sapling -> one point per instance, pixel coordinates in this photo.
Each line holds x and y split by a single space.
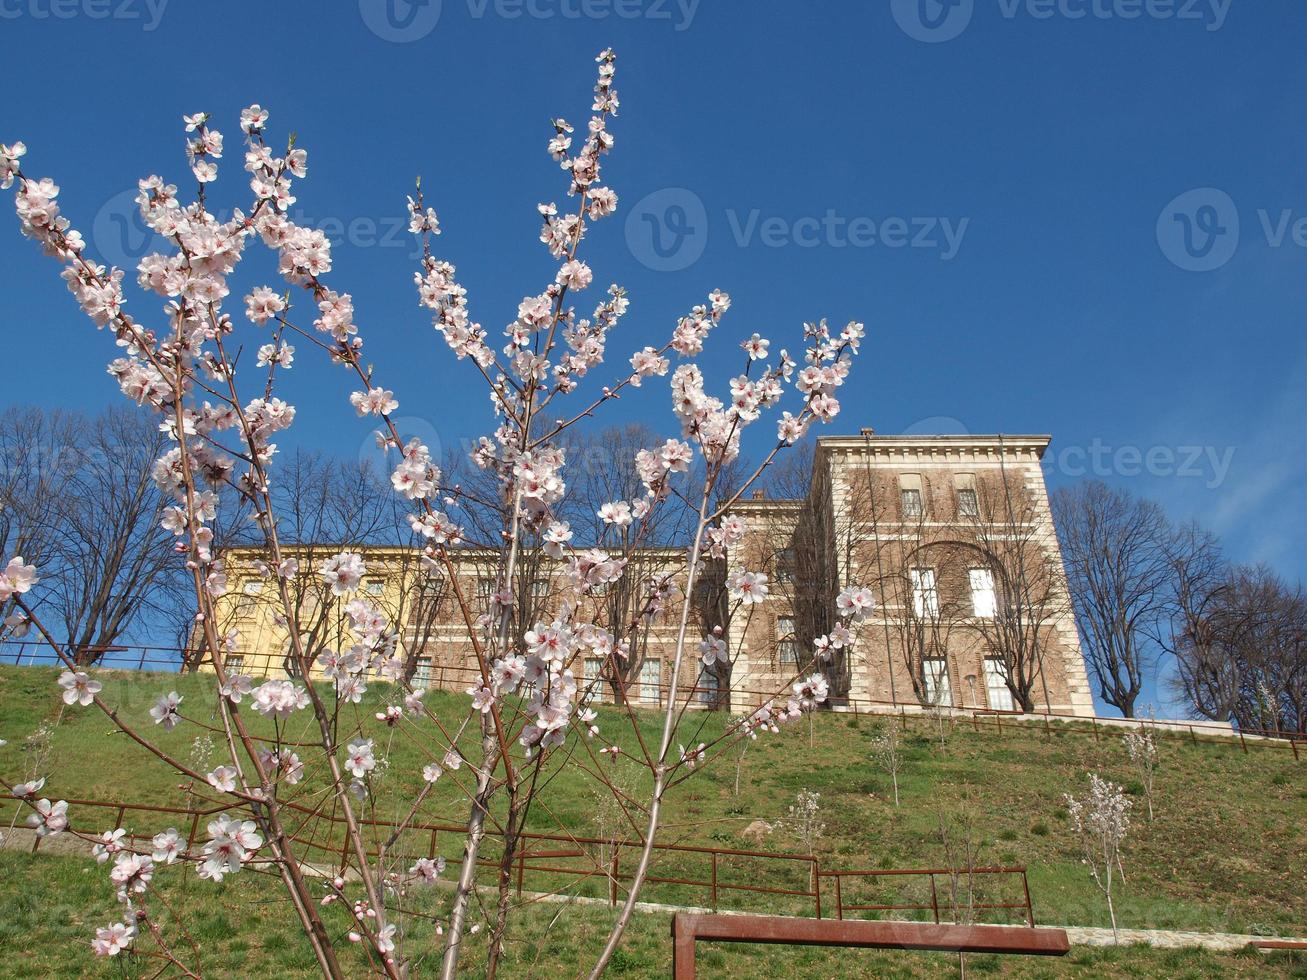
888 750
803 820
1102 820
1142 750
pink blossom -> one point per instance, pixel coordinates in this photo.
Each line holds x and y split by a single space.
756 347
223 779
49 818
428 869
279 698
16 579
747 587
167 846
113 939
375 401
165 711
359 759
78 687
343 572
713 650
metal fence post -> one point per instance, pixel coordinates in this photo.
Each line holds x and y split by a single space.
714 881
816 885
612 877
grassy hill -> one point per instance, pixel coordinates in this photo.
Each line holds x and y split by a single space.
1225 852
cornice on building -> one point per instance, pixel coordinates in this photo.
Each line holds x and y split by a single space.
963 448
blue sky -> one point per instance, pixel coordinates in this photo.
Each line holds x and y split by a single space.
1065 216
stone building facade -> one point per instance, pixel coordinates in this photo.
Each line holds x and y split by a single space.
953 534
955 537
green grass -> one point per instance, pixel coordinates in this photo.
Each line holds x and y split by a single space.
1224 854
242 928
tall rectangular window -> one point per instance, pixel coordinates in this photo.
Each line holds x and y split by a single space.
422 676
375 587
785 565
651 676
911 502
925 596
939 691
245 602
983 601
485 592
996 689
968 504
707 687
594 684
787 644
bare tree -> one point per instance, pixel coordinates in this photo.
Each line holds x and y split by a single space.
33 465
111 562
1118 562
1243 659
1199 580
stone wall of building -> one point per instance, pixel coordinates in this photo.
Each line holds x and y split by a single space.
947 531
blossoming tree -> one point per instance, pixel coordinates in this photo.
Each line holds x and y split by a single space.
1102 819
526 713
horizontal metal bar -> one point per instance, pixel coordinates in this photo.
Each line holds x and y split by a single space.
877 935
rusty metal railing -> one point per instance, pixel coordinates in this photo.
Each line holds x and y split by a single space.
933 906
